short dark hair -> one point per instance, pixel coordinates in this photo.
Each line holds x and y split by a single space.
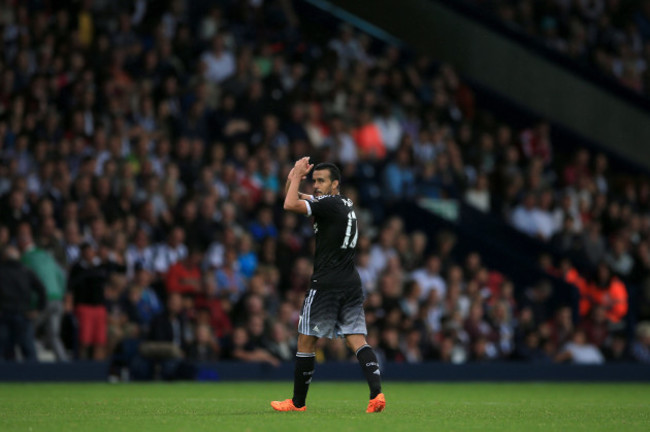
335 173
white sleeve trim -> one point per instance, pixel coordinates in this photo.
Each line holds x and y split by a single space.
308 208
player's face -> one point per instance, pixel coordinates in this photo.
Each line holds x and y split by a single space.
323 185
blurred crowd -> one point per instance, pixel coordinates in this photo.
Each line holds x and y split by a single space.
608 35
144 154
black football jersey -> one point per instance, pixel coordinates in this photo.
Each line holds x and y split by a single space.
335 229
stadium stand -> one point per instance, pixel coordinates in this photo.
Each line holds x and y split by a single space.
146 150
606 36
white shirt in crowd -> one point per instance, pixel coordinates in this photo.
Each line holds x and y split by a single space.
584 354
429 281
391 132
217 69
142 257
166 256
379 258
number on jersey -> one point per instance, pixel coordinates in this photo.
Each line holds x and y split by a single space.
351 232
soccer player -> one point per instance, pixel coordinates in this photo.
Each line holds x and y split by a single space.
333 307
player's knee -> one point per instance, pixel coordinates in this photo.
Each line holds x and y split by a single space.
307 343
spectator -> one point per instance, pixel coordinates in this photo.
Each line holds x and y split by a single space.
167 254
399 180
368 138
140 302
230 280
607 291
169 337
53 279
218 63
86 283
205 348
579 351
524 216
242 349
479 195
17 312
428 278
184 277
641 346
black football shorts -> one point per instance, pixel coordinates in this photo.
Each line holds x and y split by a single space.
332 313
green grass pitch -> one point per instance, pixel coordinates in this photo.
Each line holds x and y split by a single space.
331 406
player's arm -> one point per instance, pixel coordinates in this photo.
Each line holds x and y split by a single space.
292 201
302 196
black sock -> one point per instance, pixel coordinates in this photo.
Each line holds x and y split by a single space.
302 374
368 362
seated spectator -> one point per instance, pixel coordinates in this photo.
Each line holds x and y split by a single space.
263 226
218 63
529 350
399 180
184 277
140 302
579 351
428 278
280 343
169 339
205 347
247 257
389 345
619 258
167 254
479 195
524 216
641 346
139 253
231 283
242 349
368 138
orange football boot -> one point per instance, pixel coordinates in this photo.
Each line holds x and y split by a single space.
377 404
286 405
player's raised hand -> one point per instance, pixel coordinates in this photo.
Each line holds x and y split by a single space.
302 168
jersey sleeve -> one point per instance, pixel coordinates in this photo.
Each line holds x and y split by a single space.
324 207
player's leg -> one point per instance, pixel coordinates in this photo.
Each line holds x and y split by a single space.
317 320
302 374
352 323
368 362
304 368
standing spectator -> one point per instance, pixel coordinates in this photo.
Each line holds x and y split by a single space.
607 291
86 283
53 279
17 287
